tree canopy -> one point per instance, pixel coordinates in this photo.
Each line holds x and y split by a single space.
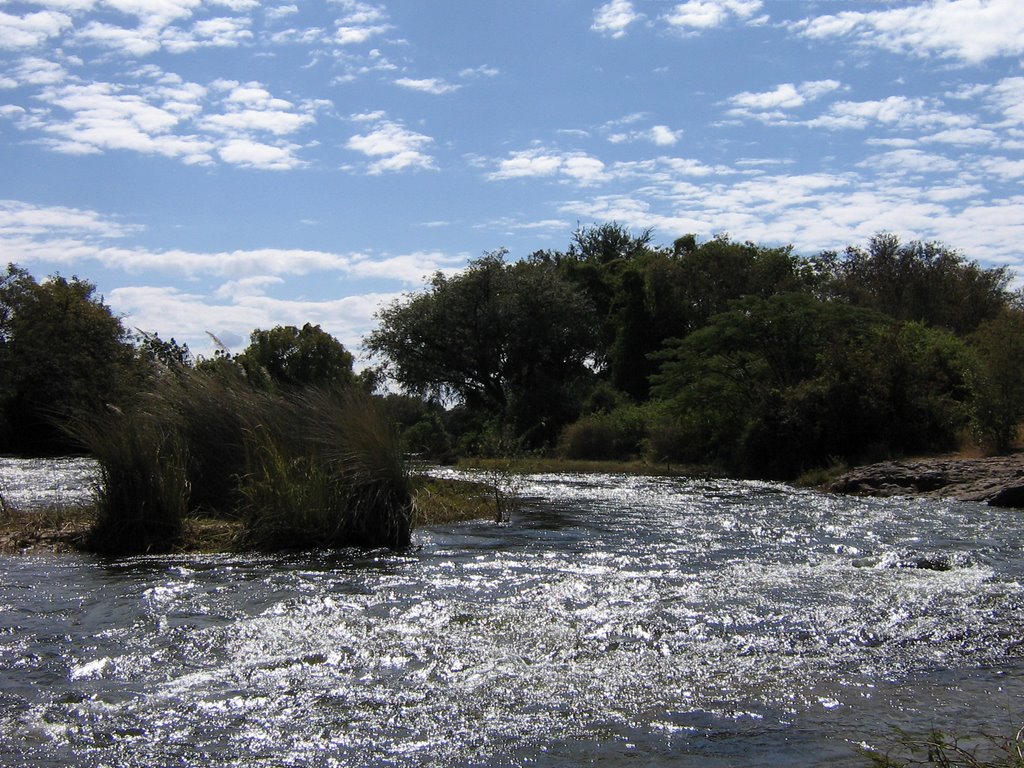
61 350
509 340
287 357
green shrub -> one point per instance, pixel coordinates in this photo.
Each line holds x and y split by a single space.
619 434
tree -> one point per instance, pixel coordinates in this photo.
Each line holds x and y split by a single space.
924 282
778 385
285 357
62 350
998 380
509 340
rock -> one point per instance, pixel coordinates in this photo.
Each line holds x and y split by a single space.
997 480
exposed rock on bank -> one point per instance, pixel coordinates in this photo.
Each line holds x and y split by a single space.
997 480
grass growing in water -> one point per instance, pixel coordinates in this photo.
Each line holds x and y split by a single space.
344 484
142 493
313 469
948 751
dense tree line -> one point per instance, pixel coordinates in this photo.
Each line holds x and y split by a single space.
755 359
751 358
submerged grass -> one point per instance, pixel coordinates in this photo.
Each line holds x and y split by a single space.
948 751
57 528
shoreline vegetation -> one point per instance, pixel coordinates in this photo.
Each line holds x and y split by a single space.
62 529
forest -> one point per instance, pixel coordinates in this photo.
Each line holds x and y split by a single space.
750 360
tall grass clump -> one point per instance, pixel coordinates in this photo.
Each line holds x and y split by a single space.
310 469
336 478
142 495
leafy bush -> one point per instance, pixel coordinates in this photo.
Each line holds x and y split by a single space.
616 435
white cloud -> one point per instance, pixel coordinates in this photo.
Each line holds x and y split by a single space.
33 70
1008 96
540 162
660 135
613 18
483 70
251 107
396 147
965 137
19 219
32 29
708 14
970 30
769 106
255 154
105 116
913 161
432 85
280 12
224 32
359 22
139 42
899 112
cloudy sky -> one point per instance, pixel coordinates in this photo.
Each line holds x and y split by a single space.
220 165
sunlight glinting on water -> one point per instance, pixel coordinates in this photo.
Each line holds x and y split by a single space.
613 617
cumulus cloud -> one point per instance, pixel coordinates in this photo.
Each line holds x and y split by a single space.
697 15
900 112
250 107
32 29
614 18
540 162
660 135
970 30
432 85
771 105
359 22
161 114
256 154
392 146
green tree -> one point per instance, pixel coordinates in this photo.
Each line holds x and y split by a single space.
509 340
285 357
998 379
781 384
924 282
62 350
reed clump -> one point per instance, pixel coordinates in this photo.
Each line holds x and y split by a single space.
313 468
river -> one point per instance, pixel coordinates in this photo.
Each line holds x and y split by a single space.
614 621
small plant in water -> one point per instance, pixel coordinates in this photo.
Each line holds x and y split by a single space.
948 751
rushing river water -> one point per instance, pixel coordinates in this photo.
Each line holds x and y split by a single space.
615 621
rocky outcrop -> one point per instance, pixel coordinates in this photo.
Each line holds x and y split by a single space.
997 480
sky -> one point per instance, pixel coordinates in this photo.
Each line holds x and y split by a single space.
216 166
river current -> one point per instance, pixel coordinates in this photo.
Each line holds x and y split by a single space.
614 621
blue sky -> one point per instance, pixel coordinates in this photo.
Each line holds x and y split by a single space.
223 165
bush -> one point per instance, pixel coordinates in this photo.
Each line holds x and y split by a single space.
601 436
